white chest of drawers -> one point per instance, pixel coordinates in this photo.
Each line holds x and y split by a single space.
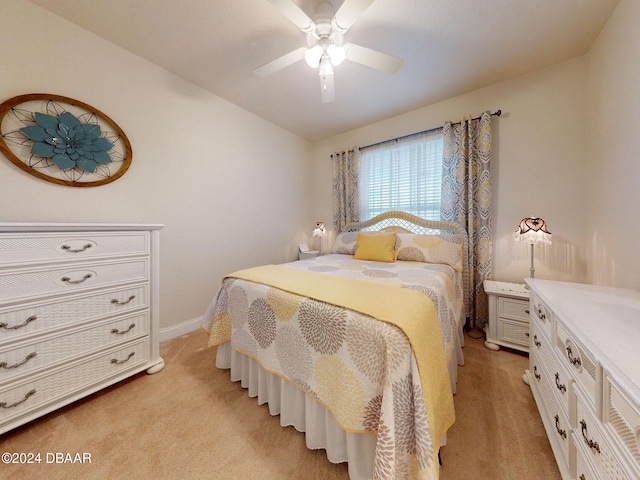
584 372
78 312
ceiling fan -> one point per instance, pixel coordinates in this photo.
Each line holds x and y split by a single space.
325 39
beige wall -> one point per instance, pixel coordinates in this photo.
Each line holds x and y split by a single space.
612 202
202 166
538 164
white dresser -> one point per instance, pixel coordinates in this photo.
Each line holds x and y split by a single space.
584 372
78 312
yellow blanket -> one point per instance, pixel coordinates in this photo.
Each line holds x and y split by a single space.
411 311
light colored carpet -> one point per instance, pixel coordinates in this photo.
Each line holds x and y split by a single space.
190 422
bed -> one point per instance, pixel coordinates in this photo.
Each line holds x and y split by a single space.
358 348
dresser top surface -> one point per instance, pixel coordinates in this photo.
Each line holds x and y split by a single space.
605 319
75 227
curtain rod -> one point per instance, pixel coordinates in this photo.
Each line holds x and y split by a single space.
496 113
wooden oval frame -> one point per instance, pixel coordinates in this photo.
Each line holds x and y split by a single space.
6 106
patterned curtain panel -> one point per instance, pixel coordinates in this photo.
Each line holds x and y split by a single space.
466 198
346 196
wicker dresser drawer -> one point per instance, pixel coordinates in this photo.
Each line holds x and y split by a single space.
558 427
594 445
40 390
558 378
25 248
622 414
31 318
541 312
27 284
63 346
578 361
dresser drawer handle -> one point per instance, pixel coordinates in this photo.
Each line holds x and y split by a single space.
26 397
582 477
541 314
574 361
537 342
15 327
118 332
119 362
77 250
16 365
560 386
590 443
535 372
120 302
526 310
75 282
562 433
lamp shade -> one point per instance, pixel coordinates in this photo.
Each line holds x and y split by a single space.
533 230
320 230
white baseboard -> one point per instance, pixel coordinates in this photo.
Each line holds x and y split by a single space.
181 329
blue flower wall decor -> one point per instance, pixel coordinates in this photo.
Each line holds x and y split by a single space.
68 142
62 140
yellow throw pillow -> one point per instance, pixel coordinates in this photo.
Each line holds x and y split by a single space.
379 247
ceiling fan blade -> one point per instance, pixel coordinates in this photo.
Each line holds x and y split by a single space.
328 92
348 13
294 13
372 58
280 63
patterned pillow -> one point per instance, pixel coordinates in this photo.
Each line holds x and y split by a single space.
446 249
345 243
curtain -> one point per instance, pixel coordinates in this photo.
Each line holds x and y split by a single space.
346 195
466 198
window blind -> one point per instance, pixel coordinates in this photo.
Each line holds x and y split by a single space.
403 174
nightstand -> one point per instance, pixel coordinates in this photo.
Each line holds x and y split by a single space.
308 254
508 316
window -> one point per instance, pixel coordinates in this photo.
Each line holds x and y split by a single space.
403 174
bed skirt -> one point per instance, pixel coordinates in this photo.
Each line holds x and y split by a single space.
306 415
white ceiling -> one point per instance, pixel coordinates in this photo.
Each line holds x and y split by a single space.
449 47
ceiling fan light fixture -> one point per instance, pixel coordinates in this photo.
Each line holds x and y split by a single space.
325 66
313 55
336 54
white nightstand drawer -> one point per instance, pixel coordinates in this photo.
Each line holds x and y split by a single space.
514 332
24 248
513 309
32 318
21 285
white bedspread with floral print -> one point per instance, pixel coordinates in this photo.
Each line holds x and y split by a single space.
361 369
